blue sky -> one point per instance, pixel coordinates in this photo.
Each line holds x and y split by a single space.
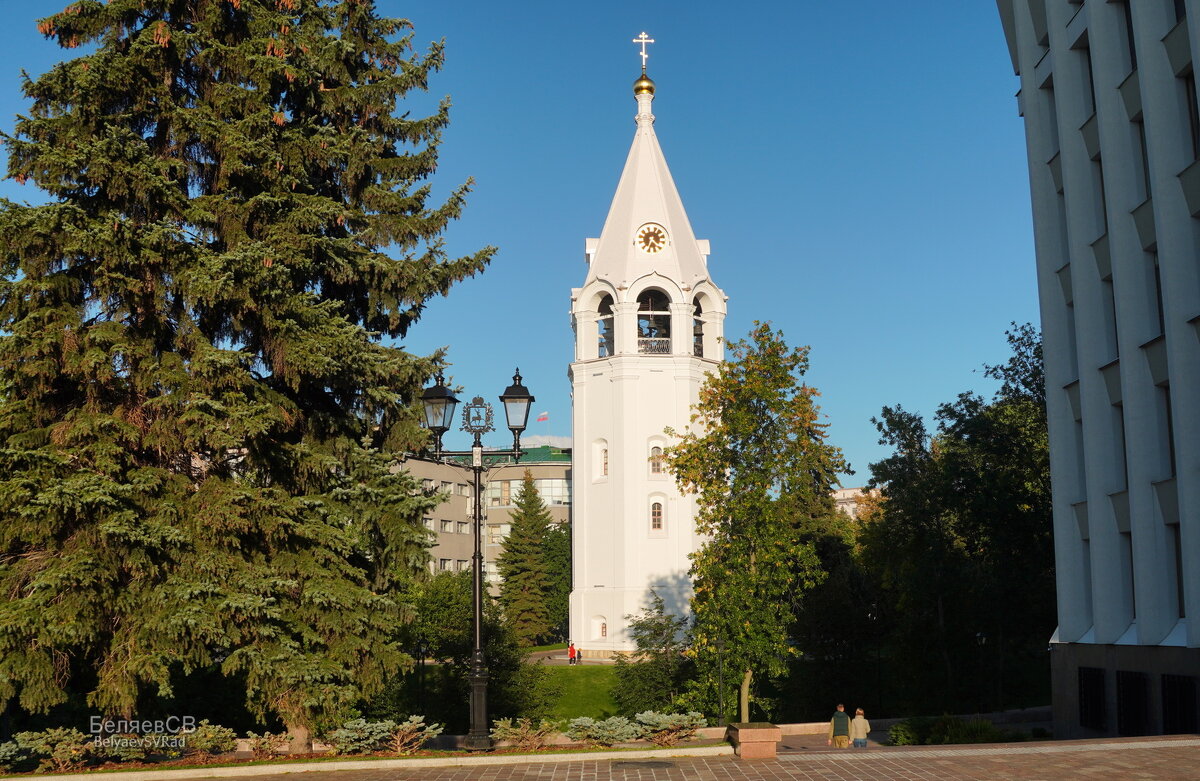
858 167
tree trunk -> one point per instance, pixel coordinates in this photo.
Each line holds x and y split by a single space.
301 742
744 696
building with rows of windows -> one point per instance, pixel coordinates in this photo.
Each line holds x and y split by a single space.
648 328
452 522
1108 94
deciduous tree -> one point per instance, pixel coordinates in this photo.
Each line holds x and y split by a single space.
655 676
757 459
962 543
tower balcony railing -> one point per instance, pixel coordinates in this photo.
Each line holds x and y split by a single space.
654 346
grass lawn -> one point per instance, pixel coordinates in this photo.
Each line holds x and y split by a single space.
585 691
551 647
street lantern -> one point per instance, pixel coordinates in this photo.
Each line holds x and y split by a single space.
516 400
439 405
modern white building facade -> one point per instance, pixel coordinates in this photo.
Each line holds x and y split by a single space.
648 328
1108 93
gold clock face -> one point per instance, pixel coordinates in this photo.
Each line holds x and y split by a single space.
651 238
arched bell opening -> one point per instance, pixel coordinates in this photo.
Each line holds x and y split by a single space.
605 336
654 323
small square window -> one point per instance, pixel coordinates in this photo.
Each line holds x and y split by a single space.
448 527
444 565
464 527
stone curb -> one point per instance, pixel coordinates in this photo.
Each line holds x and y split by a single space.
988 750
386 764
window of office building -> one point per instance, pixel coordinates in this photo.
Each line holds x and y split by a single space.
1092 713
1133 703
447 527
444 565
552 490
464 527
1179 704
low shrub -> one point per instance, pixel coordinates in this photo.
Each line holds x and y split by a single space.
59 748
911 732
610 731
943 730
952 730
523 734
266 745
210 740
359 736
410 735
126 747
11 756
170 745
667 729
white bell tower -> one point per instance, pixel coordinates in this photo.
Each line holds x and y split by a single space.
648 328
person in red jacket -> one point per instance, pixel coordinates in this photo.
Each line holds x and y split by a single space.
571 654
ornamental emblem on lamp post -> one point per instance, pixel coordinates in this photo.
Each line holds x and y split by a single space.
477 417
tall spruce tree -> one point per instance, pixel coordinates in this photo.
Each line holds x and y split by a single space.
557 555
757 459
526 588
197 384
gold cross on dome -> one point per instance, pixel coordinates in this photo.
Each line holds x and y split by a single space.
643 39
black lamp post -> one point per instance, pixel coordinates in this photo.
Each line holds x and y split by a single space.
439 405
719 642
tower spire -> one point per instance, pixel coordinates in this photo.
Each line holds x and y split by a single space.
643 88
643 39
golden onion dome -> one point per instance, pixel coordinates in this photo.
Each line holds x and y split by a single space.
643 86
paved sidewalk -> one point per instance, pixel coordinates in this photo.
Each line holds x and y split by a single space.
1134 758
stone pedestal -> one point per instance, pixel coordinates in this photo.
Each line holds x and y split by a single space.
754 739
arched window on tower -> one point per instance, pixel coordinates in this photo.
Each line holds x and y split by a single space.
656 460
604 328
697 331
654 323
656 517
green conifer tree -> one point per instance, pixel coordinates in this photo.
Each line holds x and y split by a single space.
525 590
195 351
557 551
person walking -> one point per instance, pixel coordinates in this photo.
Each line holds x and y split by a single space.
571 655
839 728
859 729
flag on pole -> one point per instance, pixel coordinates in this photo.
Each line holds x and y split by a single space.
543 416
